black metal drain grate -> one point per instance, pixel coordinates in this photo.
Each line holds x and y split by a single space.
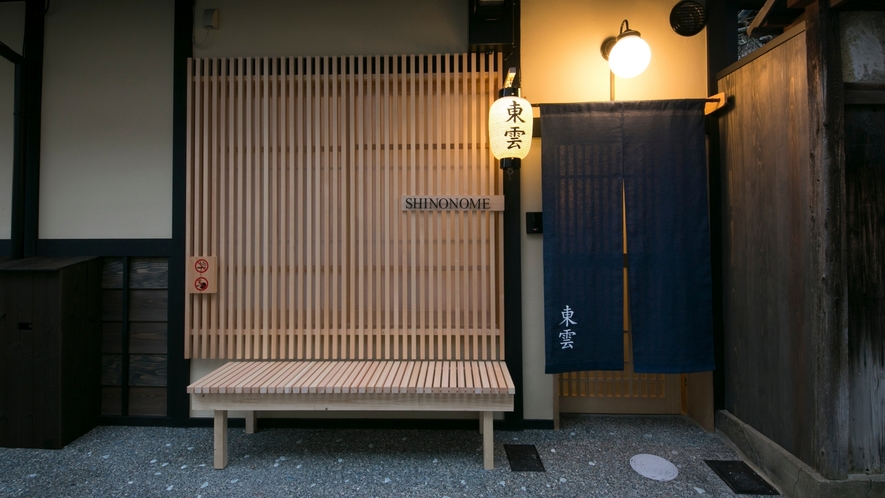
524 458
741 478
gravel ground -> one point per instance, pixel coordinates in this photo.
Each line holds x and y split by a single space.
589 456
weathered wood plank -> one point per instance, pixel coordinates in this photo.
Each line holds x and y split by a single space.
865 191
112 337
828 317
112 273
147 337
111 400
149 273
111 370
147 401
147 370
112 306
148 305
766 234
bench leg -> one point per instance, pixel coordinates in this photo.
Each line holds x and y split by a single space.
488 441
220 439
250 422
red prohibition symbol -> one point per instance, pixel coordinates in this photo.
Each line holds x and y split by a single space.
201 265
201 284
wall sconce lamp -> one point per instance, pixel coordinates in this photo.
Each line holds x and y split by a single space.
627 54
510 125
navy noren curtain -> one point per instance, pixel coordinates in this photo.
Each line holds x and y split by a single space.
655 151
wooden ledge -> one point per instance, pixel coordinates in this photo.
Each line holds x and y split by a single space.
358 377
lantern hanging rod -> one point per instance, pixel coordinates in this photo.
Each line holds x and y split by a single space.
511 76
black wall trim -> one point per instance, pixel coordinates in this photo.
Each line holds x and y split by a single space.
105 247
512 242
722 51
538 425
178 373
5 248
33 105
138 421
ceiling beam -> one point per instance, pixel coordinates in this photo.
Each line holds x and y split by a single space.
773 17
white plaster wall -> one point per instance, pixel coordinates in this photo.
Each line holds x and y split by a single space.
332 27
561 62
863 46
12 28
106 153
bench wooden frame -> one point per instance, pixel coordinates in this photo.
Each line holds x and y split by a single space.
329 296
461 386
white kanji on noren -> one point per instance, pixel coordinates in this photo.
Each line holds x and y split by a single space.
567 335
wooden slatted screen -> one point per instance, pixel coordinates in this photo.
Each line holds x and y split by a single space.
295 171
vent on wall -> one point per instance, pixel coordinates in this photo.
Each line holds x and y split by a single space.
688 18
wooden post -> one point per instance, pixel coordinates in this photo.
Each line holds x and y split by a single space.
220 439
488 441
250 422
827 286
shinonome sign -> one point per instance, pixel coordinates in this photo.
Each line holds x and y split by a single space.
453 203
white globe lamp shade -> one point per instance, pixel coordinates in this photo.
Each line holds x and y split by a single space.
629 57
510 129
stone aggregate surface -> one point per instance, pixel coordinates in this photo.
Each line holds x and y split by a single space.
588 457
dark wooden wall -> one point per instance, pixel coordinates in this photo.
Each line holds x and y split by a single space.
767 249
804 252
134 336
865 223
49 347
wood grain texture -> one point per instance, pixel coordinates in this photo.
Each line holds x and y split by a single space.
294 179
49 362
112 305
767 237
865 210
111 400
147 401
148 305
828 323
147 337
112 338
149 273
111 370
355 377
147 370
112 273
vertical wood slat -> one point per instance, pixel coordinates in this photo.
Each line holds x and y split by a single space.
295 167
189 205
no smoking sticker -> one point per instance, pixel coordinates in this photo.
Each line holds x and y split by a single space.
201 275
201 284
202 266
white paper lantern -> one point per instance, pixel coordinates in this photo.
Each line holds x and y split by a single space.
510 129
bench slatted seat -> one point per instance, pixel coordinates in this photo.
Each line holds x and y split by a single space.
473 386
323 291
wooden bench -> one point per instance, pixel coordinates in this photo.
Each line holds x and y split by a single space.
329 293
462 386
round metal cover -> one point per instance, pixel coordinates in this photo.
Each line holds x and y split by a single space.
688 18
654 467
